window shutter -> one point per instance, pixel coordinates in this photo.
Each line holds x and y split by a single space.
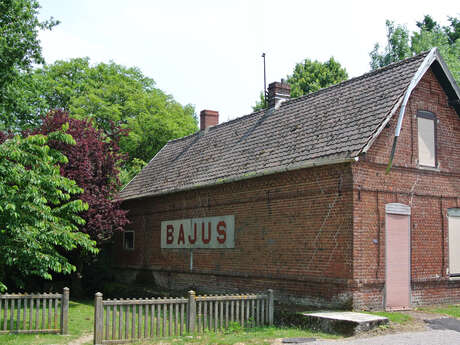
454 241
426 143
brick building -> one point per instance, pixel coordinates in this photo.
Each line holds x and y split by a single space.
296 197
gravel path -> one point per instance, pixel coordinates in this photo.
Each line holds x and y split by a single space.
432 337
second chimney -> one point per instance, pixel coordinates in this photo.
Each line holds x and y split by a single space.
278 93
208 118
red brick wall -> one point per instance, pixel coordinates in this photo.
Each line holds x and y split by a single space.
429 193
318 234
293 233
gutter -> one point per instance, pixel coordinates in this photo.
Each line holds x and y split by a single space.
432 55
265 172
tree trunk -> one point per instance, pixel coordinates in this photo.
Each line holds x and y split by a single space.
76 277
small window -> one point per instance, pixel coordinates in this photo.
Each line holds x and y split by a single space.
426 125
453 216
128 240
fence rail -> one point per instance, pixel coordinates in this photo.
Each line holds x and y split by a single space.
34 313
118 321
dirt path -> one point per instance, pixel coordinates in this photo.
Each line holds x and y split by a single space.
85 338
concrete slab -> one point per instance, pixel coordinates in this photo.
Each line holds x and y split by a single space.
345 322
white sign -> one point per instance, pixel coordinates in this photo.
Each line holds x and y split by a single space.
210 232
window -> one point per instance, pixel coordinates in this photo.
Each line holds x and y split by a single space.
128 240
453 216
426 125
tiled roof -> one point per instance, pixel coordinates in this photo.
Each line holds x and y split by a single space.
336 122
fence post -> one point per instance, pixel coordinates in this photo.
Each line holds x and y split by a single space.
65 311
98 318
271 307
191 317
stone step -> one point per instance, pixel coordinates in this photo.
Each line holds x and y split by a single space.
344 322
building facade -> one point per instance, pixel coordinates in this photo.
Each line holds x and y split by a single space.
297 198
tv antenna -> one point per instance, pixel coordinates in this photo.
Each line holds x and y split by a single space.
265 82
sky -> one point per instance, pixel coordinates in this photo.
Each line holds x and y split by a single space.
208 53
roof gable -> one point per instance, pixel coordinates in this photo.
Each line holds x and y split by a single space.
331 125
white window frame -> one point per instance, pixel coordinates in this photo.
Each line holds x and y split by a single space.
124 239
453 213
427 115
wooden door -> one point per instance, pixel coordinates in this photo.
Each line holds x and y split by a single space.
397 257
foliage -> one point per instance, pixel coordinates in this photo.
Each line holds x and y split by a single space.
397 48
402 44
260 104
93 164
19 43
130 170
38 207
109 94
310 76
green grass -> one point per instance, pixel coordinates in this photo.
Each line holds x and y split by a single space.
393 316
80 322
253 336
451 310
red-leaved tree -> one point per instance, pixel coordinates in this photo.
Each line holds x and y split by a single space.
93 165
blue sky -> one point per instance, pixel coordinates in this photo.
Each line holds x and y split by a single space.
208 53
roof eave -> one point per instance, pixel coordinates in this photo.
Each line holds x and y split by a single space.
447 81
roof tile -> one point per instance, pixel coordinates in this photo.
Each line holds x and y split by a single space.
334 122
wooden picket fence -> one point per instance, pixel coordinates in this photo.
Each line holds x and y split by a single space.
34 313
118 321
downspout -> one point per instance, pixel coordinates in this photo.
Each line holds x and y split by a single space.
432 55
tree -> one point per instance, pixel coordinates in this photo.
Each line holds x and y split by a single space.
402 44
39 208
453 30
19 44
397 48
310 76
108 94
93 163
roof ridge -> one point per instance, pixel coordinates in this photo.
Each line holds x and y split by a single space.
360 77
270 142
312 94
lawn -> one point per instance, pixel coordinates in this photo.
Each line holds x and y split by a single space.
392 316
451 310
80 322
255 336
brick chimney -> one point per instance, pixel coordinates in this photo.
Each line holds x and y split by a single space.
278 93
208 118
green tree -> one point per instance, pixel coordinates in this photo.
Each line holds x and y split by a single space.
453 30
38 216
402 44
397 48
310 76
19 44
109 94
